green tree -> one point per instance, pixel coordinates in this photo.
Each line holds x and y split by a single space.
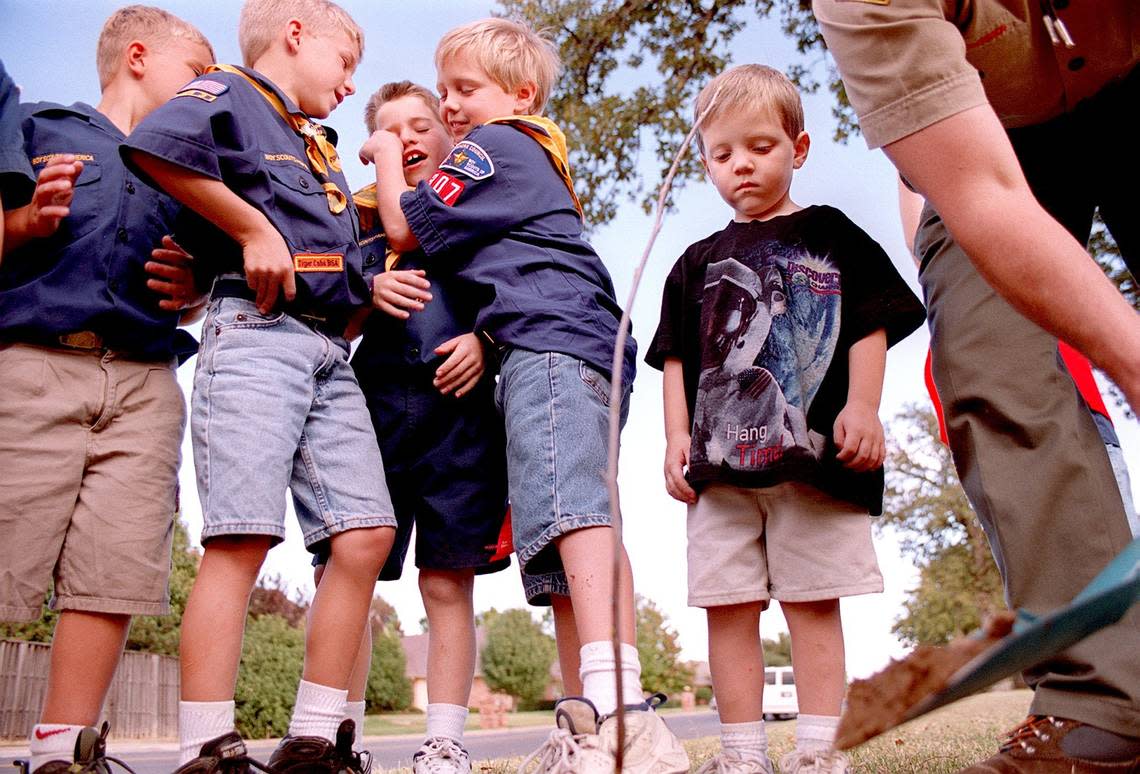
777 652
925 504
677 46
272 655
517 655
389 689
657 646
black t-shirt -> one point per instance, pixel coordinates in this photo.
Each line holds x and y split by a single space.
761 315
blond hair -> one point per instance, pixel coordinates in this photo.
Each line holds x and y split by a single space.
262 21
753 87
509 51
398 90
146 24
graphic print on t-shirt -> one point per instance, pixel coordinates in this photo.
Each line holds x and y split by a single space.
769 327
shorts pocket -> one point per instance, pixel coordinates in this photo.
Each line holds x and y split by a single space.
598 384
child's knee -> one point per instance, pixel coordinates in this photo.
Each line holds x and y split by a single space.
362 550
446 589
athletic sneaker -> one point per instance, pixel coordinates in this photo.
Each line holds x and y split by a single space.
225 754
815 762
317 755
574 746
650 747
90 755
732 762
441 755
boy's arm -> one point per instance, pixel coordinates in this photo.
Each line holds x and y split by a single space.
268 262
51 202
858 431
172 279
463 368
399 292
385 150
677 433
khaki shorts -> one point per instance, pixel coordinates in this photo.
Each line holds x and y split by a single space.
790 542
89 449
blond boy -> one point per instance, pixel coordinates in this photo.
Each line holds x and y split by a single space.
91 453
503 202
275 404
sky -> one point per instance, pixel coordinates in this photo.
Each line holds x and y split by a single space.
48 46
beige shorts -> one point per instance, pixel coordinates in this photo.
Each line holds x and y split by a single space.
89 451
790 542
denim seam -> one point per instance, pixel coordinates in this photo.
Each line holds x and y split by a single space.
561 526
358 522
552 444
312 474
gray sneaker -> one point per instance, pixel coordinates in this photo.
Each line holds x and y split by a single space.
650 747
815 762
574 747
731 762
441 755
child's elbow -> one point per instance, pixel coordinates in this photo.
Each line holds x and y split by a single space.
402 240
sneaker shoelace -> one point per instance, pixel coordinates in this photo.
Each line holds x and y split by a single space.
1035 728
811 761
439 752
556 755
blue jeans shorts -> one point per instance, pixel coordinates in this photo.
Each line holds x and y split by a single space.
276 406
556 411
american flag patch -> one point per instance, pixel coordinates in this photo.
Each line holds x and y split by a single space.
210 87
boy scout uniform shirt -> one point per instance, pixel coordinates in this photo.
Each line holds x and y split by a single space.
220 126
907 64
16 180
538 284
88 276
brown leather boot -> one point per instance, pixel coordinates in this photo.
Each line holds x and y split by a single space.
1034 747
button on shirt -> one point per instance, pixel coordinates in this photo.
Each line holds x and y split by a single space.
220 126
16 180
500 213
89 275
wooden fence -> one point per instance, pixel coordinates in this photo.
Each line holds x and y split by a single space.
142 702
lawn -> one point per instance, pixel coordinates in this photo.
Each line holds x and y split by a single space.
942 742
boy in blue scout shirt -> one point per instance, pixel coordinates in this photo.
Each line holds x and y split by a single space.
16 179
90 410
275 403
501 210
421 370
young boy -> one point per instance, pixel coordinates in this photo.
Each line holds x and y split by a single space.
773 340
502 213
421 370
90 410
275 404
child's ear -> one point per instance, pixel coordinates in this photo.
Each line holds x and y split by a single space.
524 98
801 146
135 58
294 32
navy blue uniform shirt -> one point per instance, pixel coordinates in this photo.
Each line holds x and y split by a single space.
220 126
88 275
16 180
539 285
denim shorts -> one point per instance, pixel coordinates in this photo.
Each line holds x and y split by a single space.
556 411
276 406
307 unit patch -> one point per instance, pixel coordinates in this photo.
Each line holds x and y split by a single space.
467 158
310 262
446 187
204 89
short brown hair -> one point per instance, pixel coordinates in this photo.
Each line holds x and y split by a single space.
510 51
752 87
144 23
261 22
398 90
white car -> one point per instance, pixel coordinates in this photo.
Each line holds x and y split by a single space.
780 693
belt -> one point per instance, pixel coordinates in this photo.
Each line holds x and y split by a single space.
321 321
89 341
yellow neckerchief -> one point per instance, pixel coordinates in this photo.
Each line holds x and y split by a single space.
320 152
547 134
369 210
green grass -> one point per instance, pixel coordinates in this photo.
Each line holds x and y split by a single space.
416 722
942 742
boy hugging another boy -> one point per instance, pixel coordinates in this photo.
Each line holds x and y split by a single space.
773 339
275 402
502 212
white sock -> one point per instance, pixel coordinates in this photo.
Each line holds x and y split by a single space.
446 720
52 742
599 683
354 711
318 711
815 732
199 722
748 741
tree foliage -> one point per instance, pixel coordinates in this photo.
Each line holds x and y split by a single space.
677 46
389 689
657 646
958 581
517 655
272 655
777 652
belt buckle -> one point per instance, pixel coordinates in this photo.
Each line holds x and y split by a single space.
86 340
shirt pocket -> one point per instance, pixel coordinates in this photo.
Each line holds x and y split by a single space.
301 210
89 206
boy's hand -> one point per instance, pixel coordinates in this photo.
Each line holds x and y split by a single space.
269 268
859 436
51 201
381 145
396 291
463 367
171 276
676 460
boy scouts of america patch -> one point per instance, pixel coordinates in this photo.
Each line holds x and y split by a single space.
469 159
322 262
203 89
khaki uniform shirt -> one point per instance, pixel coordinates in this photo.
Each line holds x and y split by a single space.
907 64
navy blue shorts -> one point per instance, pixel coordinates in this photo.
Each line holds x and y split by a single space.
445 464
